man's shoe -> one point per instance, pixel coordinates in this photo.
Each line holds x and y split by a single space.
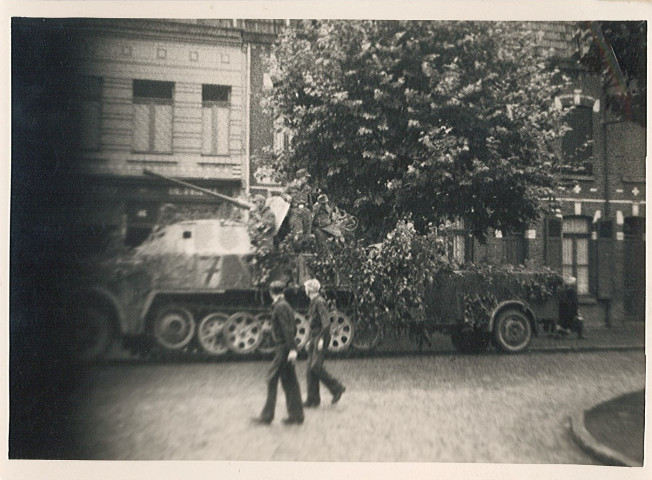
337 395
261 421
581 337
311 404
293 421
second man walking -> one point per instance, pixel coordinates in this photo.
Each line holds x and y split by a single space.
319 340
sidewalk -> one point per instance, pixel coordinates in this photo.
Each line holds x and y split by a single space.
619 336
613 431
622 335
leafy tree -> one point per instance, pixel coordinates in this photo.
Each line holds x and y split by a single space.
618 50
422 120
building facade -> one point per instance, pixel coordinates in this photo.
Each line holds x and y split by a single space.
180 98
598 235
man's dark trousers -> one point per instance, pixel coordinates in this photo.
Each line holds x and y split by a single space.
284 370
317 373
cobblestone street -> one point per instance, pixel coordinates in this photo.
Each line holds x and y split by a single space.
443 203
440 408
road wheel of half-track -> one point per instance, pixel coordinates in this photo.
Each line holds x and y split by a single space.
243 333
173 327
512 331
341 332
303 331
211 334
266 345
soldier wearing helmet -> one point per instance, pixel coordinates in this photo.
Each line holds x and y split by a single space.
300 216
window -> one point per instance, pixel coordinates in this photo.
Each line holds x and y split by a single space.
216 108
281 140
90 119
575 251
457 248
577 144
152 116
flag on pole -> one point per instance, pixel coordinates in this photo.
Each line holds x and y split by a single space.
611 62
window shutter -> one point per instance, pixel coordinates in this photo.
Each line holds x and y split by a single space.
605 259
207 131
223 119
162 128
141 127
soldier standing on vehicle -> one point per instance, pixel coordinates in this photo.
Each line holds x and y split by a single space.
300 216
285 354
319 340
323 218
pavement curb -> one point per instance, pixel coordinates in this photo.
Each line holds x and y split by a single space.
123 357
588 348
589 444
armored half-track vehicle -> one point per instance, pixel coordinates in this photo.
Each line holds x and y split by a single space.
188 289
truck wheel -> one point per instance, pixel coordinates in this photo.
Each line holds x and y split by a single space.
243 333
173 327
92 331
512 331
266 345
211 333
367 336
341 332
470 342
303 331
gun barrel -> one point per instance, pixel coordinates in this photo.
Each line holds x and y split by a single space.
234 201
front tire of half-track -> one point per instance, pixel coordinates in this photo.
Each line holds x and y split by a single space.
92 331
173 327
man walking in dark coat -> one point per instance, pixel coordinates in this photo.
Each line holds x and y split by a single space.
285 354
569 317
319 341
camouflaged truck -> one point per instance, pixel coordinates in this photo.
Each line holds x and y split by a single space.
505 307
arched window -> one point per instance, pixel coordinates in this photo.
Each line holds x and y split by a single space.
577 143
